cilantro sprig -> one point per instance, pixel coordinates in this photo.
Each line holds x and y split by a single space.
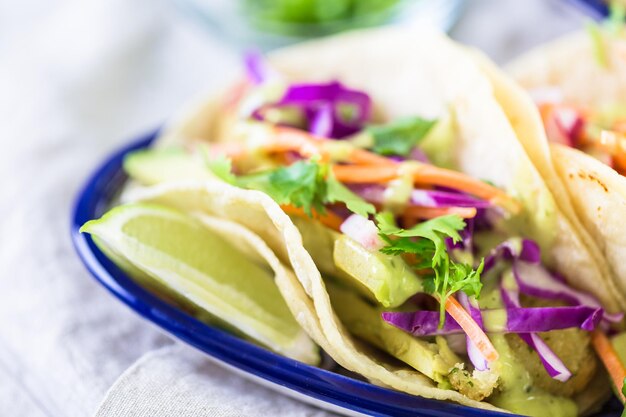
307 184
400 136
447 276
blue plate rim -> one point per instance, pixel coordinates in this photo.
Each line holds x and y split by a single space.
316 383
596 9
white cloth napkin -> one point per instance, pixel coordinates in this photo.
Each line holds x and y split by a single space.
179 381
77 79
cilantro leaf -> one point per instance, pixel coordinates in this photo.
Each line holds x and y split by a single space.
423 247
300 184
306 184
337 192
447 277
436 230
399 136
222 168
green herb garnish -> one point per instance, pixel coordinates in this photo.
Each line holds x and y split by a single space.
222 167
307 184
447 276
400 136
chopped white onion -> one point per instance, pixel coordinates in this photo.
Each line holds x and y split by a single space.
362 230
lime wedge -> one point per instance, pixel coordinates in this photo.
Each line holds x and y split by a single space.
194 262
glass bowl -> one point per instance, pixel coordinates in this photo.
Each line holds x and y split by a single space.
252 23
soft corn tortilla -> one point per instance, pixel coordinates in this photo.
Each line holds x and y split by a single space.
597 192
525 119
407 73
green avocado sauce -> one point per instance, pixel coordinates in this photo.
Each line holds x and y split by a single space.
538 218
517 392
364 321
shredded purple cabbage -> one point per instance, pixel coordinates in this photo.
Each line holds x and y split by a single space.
323 104
418 155
435 198
551 362
513 249
534 280
321 120
332 110
518 320
257 69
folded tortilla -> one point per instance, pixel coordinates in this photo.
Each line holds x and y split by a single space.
598 193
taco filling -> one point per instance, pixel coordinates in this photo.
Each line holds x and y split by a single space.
424 263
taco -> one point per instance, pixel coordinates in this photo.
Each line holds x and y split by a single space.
584 112
429 253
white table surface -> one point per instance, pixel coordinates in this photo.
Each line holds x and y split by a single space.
77 79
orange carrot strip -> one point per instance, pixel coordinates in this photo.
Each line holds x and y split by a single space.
620 126
430 174
329 219
613 142
362 174
426 174
363 157
609 358
288 139
471 329
285 139
432 212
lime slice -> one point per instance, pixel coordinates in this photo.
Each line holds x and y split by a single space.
194 262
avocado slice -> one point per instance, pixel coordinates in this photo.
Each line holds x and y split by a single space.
154 166
365 322
388 278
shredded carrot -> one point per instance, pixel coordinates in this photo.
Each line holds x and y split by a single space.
430 174
370 167
620 126
613 142
420 212
471 329
363 157
546 110
426 174
609 358
329 219
290 139
363 174
618 163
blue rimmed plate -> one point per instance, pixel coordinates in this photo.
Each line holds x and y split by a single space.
313 385
597 9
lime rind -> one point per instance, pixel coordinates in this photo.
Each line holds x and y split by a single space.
251 303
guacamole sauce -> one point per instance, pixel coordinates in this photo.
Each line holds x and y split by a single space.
517 391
